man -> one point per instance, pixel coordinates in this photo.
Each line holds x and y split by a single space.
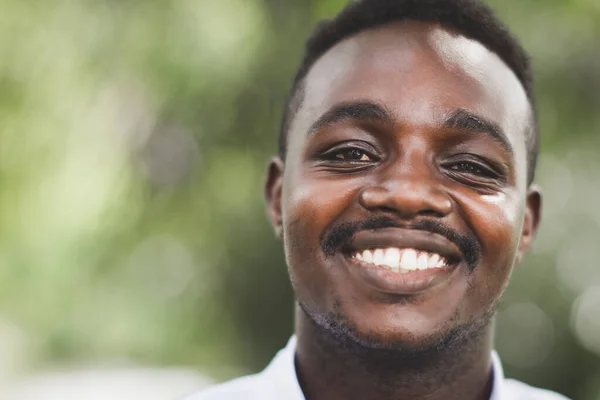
403 194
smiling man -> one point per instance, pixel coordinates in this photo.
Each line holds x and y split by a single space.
403 194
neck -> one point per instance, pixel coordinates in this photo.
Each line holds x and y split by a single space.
328 369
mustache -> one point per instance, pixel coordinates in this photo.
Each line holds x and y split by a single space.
337 237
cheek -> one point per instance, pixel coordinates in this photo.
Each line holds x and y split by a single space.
496 221
310 207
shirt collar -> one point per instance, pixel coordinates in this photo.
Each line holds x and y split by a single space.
283 368
498 379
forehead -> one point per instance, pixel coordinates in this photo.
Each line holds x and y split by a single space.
421 72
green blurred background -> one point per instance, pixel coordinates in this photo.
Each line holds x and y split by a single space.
133 140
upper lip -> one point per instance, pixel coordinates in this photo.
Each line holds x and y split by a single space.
404 238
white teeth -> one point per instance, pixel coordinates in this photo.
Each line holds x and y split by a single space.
433 260
423 260
367 256
401 260
392 258
378 257
409 260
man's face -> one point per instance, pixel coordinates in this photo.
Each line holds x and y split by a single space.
403 201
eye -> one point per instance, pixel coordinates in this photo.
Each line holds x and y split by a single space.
469 167
474 169
352 154
349 156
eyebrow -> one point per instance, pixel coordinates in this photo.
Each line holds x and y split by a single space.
468 122
367 111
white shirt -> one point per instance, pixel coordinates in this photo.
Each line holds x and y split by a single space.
279 382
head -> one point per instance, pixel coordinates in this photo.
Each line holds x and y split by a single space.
403 189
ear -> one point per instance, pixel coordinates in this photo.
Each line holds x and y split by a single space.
273 191
531 223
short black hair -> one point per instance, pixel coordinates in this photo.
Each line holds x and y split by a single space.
471 18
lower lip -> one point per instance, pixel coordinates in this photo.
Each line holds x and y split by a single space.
385 280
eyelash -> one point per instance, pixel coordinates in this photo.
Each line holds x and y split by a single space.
333 155
473 168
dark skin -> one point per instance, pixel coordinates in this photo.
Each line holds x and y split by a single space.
418 126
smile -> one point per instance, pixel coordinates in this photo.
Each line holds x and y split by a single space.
401 260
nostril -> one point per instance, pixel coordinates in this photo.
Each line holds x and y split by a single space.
430 213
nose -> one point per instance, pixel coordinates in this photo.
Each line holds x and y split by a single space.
408 194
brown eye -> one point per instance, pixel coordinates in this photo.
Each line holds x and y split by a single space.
467 167
353 155
472 169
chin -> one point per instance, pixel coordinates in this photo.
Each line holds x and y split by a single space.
396 337
405 339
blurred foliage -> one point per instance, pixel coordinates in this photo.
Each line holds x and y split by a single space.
133 141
